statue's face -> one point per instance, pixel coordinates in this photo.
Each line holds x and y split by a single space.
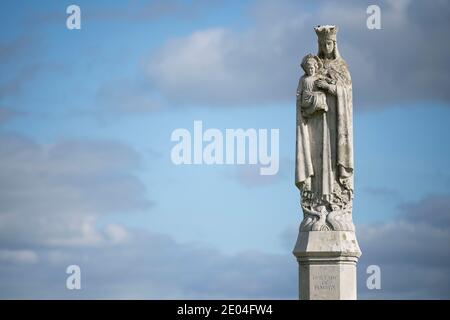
310 69
328 47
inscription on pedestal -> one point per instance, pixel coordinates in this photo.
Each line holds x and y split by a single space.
324 282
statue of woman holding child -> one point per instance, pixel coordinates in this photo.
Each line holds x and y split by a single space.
324 150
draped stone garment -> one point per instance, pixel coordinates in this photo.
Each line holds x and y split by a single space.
324 150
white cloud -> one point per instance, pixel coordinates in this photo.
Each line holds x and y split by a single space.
18 256
116 233
201 68
405 61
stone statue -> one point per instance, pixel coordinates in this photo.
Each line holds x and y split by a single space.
326 249
324 150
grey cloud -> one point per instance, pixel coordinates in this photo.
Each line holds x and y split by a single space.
405 61
18 256
413 257
385 194
433 210
411 250
54 194
152 266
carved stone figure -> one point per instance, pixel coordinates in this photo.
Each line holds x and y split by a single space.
326 249
324 150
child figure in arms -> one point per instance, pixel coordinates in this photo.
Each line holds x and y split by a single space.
311 98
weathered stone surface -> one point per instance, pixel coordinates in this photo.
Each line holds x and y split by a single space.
324 149
326 249
327 243
327 264
328 281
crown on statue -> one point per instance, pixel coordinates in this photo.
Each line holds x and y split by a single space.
326 32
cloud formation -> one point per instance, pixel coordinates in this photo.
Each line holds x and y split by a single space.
54 194
412 253
150 266
405 61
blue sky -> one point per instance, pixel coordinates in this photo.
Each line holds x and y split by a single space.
85 123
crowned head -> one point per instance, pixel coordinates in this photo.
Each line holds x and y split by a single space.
326 32
326 36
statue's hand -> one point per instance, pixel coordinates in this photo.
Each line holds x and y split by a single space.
322 84
330 81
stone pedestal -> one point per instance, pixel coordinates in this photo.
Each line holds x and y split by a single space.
327 264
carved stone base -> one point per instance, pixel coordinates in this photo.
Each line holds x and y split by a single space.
327 265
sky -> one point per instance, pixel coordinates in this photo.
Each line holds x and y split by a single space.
86 118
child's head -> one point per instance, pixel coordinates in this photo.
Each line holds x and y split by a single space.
310 65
